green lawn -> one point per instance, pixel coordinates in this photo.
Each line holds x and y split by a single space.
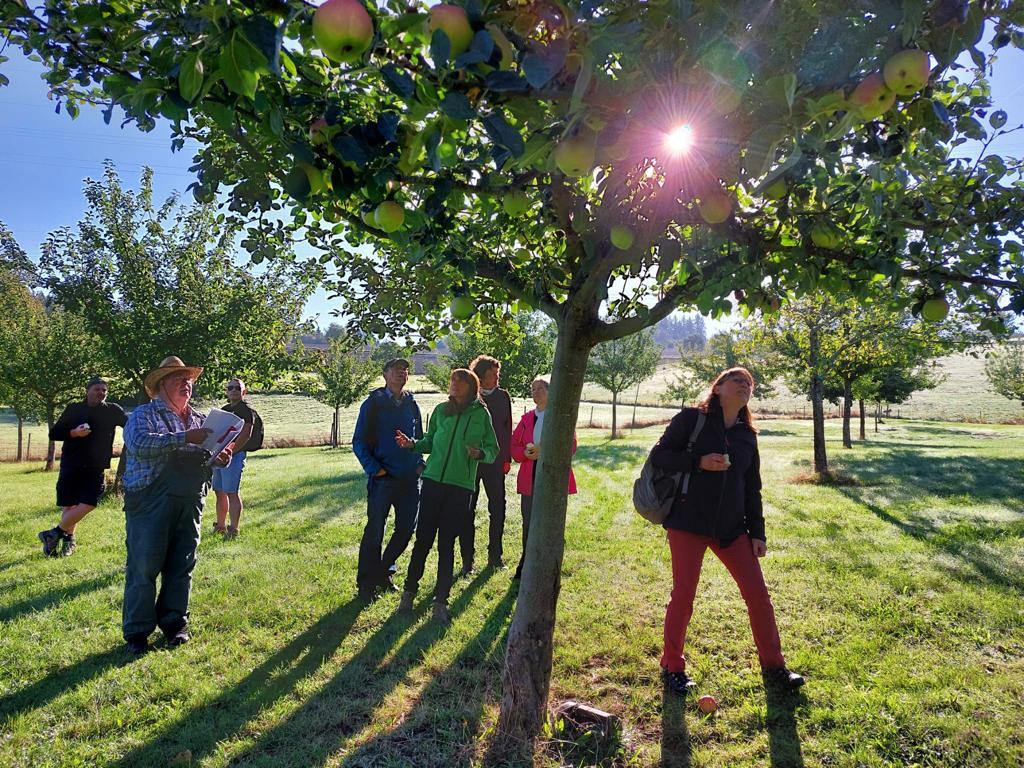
899 598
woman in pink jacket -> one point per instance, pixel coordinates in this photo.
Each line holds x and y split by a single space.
526 451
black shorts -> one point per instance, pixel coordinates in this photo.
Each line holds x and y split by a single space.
79 486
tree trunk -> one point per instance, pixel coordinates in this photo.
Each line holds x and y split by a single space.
51 448
615 403
21 434
847 411
817 408
334 429
863 434
526 676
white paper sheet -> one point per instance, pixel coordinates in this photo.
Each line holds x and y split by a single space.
224 427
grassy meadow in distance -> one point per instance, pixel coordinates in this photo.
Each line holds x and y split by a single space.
899 598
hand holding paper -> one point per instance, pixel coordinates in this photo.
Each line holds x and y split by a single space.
223 427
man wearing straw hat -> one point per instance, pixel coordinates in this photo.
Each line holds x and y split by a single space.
166 481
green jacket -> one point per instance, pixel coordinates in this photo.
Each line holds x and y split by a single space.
447 439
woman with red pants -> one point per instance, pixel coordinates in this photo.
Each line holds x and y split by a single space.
721 511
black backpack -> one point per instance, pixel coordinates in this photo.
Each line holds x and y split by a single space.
255 441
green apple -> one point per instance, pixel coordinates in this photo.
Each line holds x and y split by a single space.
516 203
827 235
575 157
453 21
343 30
462 307
389 216
872 98
622 237
777 190
369 218
907 72
304 180
715 206
935 309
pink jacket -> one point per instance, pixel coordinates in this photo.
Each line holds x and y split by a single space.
524 434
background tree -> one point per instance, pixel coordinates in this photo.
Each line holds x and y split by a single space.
622 363
682 331
685 386
152 281
13 258
894 383
343 378
525 346
728 349
17 310
604 163
49 354
1004 369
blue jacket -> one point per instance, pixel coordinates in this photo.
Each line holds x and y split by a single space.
373 441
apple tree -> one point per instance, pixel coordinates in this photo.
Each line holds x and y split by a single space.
1004 369
603 162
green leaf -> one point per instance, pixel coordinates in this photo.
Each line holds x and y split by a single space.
237 69
997 119
190 77
457 106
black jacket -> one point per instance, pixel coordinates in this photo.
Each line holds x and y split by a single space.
722 505
95 450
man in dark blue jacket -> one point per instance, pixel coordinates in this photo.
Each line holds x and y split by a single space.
393 476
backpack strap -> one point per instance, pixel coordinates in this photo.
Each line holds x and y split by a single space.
702 417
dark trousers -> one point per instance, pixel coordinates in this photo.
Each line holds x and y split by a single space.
443 512
383 493
162 523
527 509
493 479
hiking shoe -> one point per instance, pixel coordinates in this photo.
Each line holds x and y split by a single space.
181 637
781 677
679 683
68 545
367 594
387 584
137 645
441 614
51 540
405 604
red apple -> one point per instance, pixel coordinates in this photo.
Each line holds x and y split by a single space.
707 704
343 29
871 98
453 21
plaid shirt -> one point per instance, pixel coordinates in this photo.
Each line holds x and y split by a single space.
149 441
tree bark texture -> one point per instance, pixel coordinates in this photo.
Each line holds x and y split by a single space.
863 432
847 412
527 672
817 408
51 447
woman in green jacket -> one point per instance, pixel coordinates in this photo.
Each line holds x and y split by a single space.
460 436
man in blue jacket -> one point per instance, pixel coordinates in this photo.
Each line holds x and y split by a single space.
393 476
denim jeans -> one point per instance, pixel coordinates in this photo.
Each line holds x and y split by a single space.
383 493
162 523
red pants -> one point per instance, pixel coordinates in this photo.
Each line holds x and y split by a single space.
687 558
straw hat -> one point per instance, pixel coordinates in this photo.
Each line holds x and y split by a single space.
168 366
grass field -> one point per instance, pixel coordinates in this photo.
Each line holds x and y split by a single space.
899 598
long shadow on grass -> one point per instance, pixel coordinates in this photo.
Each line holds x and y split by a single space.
61 681
202 728
610 455
330 496
440 728
783 739
57 595
315 731
675 736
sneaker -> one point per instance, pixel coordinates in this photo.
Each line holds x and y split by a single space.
181 637
405 604
679 683
137 645
51 539
781 677
68 545
441 614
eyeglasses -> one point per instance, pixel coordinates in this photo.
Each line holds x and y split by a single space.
234 386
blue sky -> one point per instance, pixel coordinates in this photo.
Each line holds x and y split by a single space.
46 156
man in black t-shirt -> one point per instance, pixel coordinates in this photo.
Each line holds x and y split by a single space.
87 429
228 480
